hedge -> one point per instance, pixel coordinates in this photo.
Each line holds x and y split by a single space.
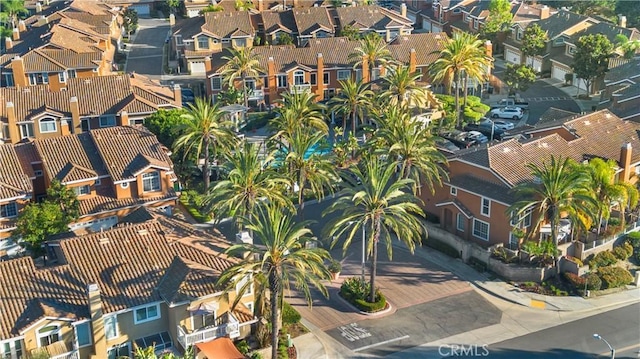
603 259
622 253
593 282
378 305
442 247
634 239
575 280
614 277
289 314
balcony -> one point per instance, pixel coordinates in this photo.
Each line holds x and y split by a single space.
256 95
300 88
230 328
70 355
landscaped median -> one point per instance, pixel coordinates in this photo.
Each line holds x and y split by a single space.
356 292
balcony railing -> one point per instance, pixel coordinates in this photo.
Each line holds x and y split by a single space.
70 355
256 95
300 88
230 328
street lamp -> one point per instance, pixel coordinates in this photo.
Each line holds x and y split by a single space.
613 351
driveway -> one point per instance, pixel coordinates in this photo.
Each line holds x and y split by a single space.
145 53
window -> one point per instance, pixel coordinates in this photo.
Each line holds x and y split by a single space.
11 349
325 78
523 221
151 181
111 327
518 34
466 17
179 40
282 81
203 42
38 173
107 121
249 306
475 24
250 85
71 74
48 125
38 78
8 210
146 314
8 80
314 79
136 121
62 77
119 351
513 241
358 74
344 74
572 50
205 320
486 207
460 222
83 334
98 182
527 220
48 335
453 191
480 229
159 341
376 74
124 185
558 41
298 78
242 285
216 83
82 190
241 42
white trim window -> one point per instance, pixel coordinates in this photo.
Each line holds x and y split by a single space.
48 125
281 81
82 190
249 306
344 75
326 78
124 185
460 222
475 24
203 43
481 229
151 181
48 335
146 314
8 210
62 77
72 74
485 207
298 77
119 351
11 349
453 191
83 334
26 130
216 83
107 121
241 283
111 327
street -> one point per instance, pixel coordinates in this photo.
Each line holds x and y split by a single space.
145 53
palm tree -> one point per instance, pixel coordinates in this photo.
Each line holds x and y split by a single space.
558 185
374 50
281 257
412 144
352 100
243 64
401 87
10 11
625 47
299 109
383 205
205 128
248 182
462 53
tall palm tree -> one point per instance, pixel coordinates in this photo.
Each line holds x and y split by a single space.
248 182
242 63
298 109
558 185
401 87
10 11
374 50
384 205
352 101
204 130
281 257
462 53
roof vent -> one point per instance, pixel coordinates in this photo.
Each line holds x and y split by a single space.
104 240
607 115
143 232
587 123
506 150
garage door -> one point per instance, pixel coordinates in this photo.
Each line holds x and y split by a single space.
141 9
197 67
558 72
511 56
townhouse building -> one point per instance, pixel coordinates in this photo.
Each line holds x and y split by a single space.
473 203
320 66
148 282
621 93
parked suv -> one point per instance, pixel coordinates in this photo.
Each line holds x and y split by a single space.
514 113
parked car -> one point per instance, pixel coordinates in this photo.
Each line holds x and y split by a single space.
188 96
458 138
477 136
498 124
511 102
490 132
514 113
446 145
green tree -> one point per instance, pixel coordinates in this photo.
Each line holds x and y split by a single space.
10 13
166 124
281 258
558 185
631 10
244 5
401 87
130 20
173 5
297 110
66 199
203 131
230 96
384 205
352 101
519 77
498 21
625 47
248 182
350 32
212 8
374 50
591 59
285 39
534 41
242 63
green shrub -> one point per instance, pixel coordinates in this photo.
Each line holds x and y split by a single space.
603 259
634 239
575 280
356 292
620 253
575 260
256 120
378 305
628 248
255 355
442 247
243 347
593 281
289 314
614 221
614 277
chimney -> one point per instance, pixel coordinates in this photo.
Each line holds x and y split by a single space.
622 21
14 135
16 34
403 10
320 77
97 321
124 118
625 162
19 75
172 19
544 12
413 61
488 48
38 8
272 84
75 114
8 43
22 26
261 5
42 20
207 65
365 69
177 95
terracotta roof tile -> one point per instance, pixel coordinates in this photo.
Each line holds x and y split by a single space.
13 181
371 17
105 201
224 24
311 19
27 155
187 280
278 20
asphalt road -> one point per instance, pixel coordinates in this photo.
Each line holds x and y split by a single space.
145 53
620 327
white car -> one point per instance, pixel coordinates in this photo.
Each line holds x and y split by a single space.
503 125
514 113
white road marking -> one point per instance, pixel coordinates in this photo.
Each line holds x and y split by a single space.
380 343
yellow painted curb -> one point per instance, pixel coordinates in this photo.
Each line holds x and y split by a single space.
537 304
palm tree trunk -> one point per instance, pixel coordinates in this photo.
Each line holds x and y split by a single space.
374 259
466 80
275 313
457 100
244 92
301 197
205 166
353 130
554 237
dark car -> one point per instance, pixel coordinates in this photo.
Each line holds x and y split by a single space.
458 138
496 134
446 145
188 96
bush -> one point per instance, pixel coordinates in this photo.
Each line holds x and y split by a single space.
634 239
614 277
289 314
614 221
443 248
255 355
575 260
603 259
378 305
593 281
257 120
621 253
356 292
335 266
575 280
243 347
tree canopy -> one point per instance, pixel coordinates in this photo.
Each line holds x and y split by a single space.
498 20
519 77
591 59
533 41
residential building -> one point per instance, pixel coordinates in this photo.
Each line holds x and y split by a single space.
150 282
386 23
15 192
473 203
320 66
85 103
438 17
